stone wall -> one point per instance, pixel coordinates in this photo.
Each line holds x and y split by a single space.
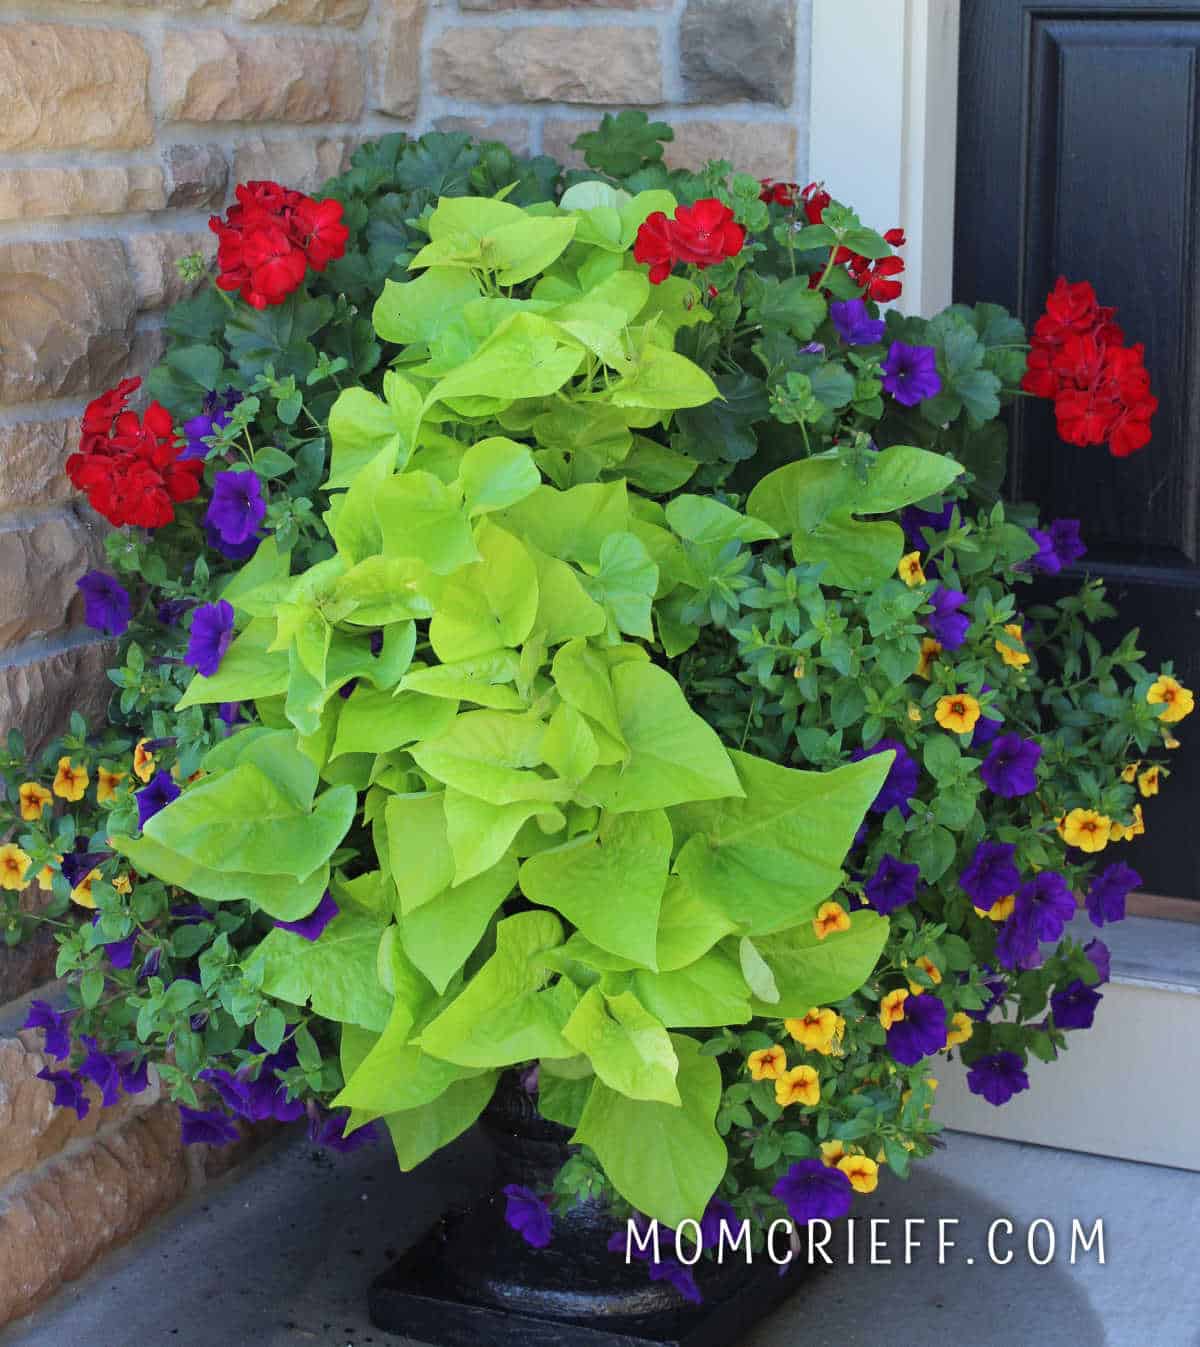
123 125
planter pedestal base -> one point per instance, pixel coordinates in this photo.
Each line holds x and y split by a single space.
424 1296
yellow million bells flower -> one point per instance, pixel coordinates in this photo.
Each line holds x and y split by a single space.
1015 659
106 784
1086 829
800 1085
830 917
910 570
1175 699
14 866
70 781
34 799
957 714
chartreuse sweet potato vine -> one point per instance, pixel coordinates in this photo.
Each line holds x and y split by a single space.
471 733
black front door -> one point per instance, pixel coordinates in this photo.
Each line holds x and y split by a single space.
1079 154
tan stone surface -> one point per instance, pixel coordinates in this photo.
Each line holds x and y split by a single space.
563 4
34 193
764 149
513 131
39 694
301 164
179 6
32 455
32 1128
543 64
63 86
39 565
25 966
398 70
348 13
198 175
152 259
85 1204
212 76
66 316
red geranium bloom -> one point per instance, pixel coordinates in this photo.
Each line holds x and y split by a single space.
895 237
706 233
132 473
877 277
654 246
269 239
815 198
101 412
778 193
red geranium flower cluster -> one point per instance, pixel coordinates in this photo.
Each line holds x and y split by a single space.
128 465
703 235
270 239
1079 360
876 277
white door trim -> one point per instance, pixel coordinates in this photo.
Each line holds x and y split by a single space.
882 126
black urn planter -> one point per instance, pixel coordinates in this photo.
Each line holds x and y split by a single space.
472 1280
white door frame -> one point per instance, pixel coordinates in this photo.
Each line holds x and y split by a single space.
882 126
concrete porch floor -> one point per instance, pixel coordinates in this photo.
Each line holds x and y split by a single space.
282 1258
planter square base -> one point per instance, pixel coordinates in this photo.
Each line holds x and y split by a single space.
418 1298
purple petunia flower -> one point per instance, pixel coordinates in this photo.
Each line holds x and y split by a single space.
718 1215
206 1128
134 1079
1068 545
214 415
233 551
913 520
169 611
1010 768
151 964
1075 1006
69 1091
527 1214
156 796
212 631
991 874
310 927
118 952
1097 952
854 324
998 1077
1106 895
900 785
893 885
106 603
102 1070
230 712
329 1130
910 373
257 1099
1045 905
682 1278
921 1032
814 1191
946 624
989 724
1017 945
77 865
237 507
55 1026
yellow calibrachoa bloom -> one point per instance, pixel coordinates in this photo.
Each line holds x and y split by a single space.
960 1030
45 878
1129 772
1169 740
914 713
830 917
931 971
862 1172
143 762
1086 829
891 1008
1126 832
34 799
1148 781
930 650
816 1031
1015 659
800 1085
70 781
1176 700
831 1153
14 866
957 714
1000 909
123 884
106 784
767 1063
82 892
910 570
